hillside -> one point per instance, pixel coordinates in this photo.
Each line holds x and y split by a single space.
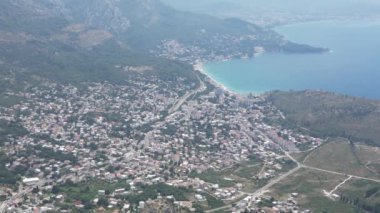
71 41
330 115
151 26
45 39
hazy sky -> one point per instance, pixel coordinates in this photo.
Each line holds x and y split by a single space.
298 6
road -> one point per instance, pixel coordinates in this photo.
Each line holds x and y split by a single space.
3 206
271 183
186 96
329 171
218 209
339 173
263 189
17 196
180 101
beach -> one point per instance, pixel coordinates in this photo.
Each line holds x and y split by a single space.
199 66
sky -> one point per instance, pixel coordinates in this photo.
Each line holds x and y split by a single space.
336 7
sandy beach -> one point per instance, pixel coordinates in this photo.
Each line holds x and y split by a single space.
198 66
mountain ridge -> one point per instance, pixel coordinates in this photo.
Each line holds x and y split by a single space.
73 40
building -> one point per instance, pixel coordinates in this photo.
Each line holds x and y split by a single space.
31 181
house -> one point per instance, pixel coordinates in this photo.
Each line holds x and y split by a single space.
119 191
31 181
101 192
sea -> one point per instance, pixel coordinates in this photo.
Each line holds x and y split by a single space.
352 67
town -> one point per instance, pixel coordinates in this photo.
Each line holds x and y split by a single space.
139 135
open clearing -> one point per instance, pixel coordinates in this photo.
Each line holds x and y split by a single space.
243 173
364 192
341 156
310 185
330 180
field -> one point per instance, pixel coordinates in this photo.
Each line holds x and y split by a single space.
241 173
365 193
87 191
338 155
300 156
248 171
342 156
310 185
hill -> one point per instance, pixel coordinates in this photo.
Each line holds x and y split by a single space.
327 114
71 41
46 39
150 26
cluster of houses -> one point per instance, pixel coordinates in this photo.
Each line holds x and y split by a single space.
116 132
269 204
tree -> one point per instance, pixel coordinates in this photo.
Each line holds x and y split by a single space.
35 190
108 192
88 205
55 190
93 146
103 202
69 183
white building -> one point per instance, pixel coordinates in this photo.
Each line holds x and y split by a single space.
31 181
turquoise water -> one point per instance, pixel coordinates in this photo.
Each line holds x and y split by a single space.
352 68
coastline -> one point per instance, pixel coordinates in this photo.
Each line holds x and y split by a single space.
328 72
199 67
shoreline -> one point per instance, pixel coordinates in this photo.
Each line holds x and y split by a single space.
199 66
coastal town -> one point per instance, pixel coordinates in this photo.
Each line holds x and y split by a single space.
169 106
141 134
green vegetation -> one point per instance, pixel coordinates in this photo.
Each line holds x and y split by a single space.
310 185
361 194
213 202
10 129
341 156
211 176
49 153
307 181
248 169
248 172
8 177
300 156
52 52
65 61
9 101
243 172
329 115
102 67
186 27
87 191
151 192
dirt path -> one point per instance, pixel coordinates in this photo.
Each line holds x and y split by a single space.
339 185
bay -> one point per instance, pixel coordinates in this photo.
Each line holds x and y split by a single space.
352 67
